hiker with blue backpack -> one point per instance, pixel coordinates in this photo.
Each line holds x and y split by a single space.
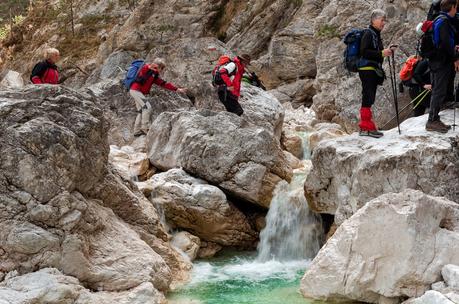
443 63
365 54
140 78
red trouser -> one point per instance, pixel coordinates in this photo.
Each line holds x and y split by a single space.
366 120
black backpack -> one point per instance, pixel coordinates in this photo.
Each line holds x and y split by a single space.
426 44
434 10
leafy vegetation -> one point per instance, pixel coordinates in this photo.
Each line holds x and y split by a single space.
328 31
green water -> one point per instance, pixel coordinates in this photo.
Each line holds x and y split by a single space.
240 279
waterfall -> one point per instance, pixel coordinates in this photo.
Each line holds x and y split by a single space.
292 231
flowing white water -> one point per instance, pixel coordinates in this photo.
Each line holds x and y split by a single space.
291 238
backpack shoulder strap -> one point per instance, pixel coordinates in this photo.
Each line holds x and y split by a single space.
374 37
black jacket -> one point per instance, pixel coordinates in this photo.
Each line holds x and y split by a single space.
421 73
371 47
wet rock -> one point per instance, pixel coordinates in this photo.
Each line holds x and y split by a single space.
292 143
192 204
187 243
208 250
358 261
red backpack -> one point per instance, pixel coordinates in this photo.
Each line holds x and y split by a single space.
406 73
216 77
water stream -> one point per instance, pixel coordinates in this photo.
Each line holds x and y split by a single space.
292 237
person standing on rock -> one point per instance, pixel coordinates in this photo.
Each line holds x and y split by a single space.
148 75
371 73
45 72
444 64
231 74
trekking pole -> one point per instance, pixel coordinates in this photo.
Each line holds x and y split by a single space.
394 88
416 101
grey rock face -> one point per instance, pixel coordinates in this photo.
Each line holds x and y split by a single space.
192 204
62 207
351 170
222 148
392 248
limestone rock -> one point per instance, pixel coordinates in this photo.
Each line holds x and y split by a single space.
222 148
63 207
344 174
49 286
192 204
358 261
430 297
12 79
450 274
187 243
292 143
324 131
129 163
208 250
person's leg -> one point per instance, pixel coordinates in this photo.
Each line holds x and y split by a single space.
441 78
142 121
230 101
369 87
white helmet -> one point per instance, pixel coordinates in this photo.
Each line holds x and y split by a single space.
419 29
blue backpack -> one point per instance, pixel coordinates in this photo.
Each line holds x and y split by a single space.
352 58
132 73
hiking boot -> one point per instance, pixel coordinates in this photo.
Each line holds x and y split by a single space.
436 126
374 133
447 127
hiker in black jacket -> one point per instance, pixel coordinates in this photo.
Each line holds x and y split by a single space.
371 73
420 82
443 64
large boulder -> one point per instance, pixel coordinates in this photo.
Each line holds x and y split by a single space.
192 204
351 170
222 148
62 206
49 286
392 248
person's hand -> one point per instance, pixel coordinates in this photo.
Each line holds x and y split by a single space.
182 90
456 65
428 87
230 88
387 52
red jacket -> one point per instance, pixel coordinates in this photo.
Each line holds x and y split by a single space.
236 82
147 78
45 72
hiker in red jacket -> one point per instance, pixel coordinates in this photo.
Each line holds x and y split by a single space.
231 74
46 71
148 75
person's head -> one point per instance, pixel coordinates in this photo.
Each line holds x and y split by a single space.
245 59
449 6
52 55
378 19
159 64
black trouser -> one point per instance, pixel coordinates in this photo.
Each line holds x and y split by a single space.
421 106
441 78
370 83
230 101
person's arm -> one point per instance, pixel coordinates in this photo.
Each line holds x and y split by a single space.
164 84
225 71
419 70
367 49
38 72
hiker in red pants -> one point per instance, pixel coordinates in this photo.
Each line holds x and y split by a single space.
371 73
